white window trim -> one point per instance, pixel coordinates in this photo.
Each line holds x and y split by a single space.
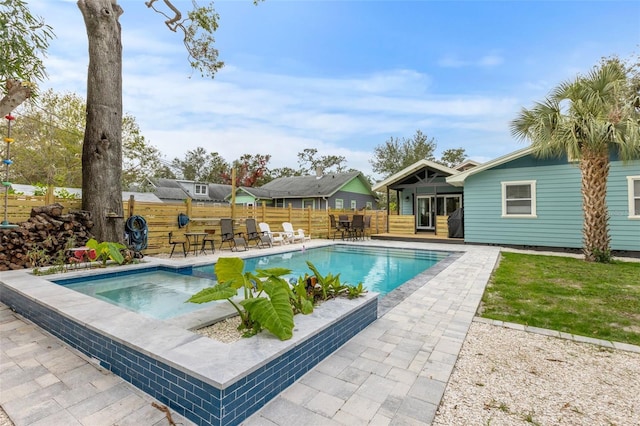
632 197
533 213
200 186
354 204
338 200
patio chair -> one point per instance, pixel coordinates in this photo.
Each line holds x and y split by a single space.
175 243
208 239
356 230
290 233
336 227
275 237
234 240
260 238
367 227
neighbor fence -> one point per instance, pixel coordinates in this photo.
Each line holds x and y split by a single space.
161 218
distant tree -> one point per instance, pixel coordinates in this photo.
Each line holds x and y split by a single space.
25 40
309 162
283 172
251 170
48 147
452 157
397 154
585 119
201 166
48 141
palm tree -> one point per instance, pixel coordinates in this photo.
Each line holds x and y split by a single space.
585 119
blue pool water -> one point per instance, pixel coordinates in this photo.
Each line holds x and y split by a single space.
161 292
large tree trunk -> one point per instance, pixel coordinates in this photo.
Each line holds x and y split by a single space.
102 149
595 170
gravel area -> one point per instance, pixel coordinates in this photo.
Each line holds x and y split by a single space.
225 331
510 377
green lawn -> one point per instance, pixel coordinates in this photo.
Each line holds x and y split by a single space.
566 294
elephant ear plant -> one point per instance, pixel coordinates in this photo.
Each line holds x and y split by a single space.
256 310
270 302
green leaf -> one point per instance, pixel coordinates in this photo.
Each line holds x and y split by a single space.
229 269
219 292
275 272
274 314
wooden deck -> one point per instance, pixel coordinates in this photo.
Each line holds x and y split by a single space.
427 237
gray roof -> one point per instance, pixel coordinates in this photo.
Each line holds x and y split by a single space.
258 193
138 196
310 186
169 189
219 191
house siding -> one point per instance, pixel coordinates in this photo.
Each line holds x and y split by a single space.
624 232
558 206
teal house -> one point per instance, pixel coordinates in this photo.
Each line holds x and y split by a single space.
522 200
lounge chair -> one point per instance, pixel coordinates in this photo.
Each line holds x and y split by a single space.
290 233
275 237
302 236
234 240
260 238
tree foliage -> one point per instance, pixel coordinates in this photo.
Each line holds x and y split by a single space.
309 162
48 137
25 40
396 154
250 169
201 166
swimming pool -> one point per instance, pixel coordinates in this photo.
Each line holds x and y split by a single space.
161 292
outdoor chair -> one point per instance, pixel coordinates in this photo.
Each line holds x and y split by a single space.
234 240
274 237
336 227
356 230
175 243
290 233
367 227
208 239
260 238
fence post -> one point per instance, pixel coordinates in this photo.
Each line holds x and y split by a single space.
290 209
188 204
131 205
263 212
49 197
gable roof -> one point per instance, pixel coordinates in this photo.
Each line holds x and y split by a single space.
408 171
458 179
219 191
257 193
311 186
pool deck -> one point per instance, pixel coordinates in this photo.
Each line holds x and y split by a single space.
393 372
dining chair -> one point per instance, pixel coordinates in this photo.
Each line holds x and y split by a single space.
175 243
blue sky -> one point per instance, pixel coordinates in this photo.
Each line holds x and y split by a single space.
345 76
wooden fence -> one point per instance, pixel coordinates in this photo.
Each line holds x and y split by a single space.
162 218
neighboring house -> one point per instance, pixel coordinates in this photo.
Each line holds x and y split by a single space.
522 200
422 191
249 196
77 193
175 190
349 191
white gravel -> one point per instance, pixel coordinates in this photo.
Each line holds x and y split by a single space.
510 377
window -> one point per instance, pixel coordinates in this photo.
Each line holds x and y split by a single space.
634 196
201 189
369 205
309 203
353 204
519 199
339 204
